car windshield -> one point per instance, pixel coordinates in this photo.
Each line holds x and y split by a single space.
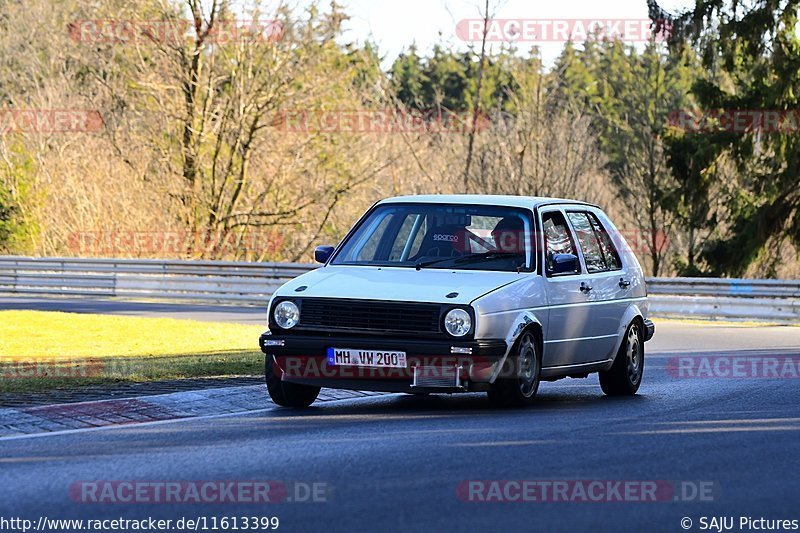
468 237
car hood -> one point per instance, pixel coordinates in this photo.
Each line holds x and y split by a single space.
400 284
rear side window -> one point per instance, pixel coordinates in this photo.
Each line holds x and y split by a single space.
610 254
598 249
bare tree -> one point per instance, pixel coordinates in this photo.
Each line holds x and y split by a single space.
476 106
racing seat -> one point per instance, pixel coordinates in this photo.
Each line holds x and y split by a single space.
443 241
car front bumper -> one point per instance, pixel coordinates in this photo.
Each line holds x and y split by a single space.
303 358
650 330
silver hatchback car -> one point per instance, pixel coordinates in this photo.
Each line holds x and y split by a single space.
463 293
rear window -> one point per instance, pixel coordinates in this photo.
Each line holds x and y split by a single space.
598 249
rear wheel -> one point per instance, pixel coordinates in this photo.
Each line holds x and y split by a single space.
287 394
625 376
520 389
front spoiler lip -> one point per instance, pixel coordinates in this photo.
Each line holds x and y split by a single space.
650 330
390 386
317 345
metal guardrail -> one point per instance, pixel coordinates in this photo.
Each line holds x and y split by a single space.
221 281
757 299
253 283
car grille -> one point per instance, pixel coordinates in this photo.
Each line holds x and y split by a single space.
326 313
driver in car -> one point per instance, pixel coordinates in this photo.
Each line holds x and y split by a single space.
508 235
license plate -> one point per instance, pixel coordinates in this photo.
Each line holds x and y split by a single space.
371 358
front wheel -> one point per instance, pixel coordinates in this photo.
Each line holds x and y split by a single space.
287 394
520 389
625 375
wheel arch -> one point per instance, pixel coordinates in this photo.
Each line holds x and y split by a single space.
632 313
526 321
538 334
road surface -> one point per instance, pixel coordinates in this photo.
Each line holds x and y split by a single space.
402 463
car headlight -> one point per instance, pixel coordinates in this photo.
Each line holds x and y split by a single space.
286 314
457 322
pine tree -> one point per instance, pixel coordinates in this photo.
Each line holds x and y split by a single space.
408 78
752 54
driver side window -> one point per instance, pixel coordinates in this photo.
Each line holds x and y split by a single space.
557 238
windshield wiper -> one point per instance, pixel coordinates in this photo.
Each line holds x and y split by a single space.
494 254
423 264
471 258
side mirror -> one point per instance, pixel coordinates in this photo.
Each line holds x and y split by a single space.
323 253
563 264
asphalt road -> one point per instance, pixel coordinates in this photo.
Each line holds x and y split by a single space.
395 462
117 306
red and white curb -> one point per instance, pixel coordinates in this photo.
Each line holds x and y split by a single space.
15 422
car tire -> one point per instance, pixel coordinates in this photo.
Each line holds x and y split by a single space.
287 394
520 390
625 375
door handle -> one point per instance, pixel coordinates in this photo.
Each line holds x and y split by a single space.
585 287
624 283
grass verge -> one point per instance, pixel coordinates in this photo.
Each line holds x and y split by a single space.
42 350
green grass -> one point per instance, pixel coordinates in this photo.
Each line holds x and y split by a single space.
45 350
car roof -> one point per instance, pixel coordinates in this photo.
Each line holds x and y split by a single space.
482 199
